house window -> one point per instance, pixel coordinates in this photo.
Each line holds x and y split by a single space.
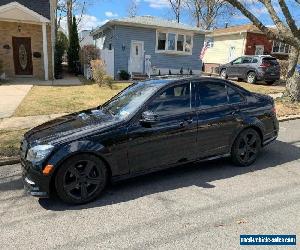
174 43
281 48
180 42
162 37
171 41
188 44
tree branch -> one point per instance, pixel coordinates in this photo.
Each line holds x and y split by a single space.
289 19
283 36
274 16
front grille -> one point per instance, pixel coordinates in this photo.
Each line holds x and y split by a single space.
23 148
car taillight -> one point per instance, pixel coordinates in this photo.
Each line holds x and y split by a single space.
264 65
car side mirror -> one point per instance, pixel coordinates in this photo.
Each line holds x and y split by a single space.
149 118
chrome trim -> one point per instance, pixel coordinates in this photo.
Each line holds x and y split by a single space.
30 182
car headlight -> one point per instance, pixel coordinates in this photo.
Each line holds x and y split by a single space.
39 153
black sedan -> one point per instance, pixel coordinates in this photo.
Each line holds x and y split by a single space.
151 125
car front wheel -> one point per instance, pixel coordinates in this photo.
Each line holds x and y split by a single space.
81 179
246 148
251 77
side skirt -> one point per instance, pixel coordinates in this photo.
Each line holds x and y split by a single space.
118 178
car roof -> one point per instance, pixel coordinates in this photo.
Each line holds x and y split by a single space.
166 79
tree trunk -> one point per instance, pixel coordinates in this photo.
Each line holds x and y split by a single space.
69 15
293 76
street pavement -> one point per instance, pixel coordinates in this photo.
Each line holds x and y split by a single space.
201 206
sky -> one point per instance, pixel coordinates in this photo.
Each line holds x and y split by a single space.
100 11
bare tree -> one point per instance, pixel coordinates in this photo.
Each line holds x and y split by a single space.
67 8
176 6
286 31
207 12
132 8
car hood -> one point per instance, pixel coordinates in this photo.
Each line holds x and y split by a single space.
71 126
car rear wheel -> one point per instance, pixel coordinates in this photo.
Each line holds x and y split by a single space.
251 77
224 74
270 82
246 148
81 179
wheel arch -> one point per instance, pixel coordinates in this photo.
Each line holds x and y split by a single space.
96 150
256 127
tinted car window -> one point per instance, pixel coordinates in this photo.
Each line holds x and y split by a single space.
270 60
254 60
237 61
174 100
234 96
247 60
212 94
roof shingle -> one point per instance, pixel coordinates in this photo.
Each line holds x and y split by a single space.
41 7
151 21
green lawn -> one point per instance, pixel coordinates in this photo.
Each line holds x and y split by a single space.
43 100
10 142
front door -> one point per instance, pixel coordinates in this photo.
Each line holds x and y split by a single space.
173 138
137 57
22 55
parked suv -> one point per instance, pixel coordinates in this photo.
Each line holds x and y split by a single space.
252 69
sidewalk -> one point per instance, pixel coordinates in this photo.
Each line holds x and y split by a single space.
17 123
10 98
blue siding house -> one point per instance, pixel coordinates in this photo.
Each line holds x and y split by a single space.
146 44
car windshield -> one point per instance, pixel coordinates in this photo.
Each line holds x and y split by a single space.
129 101
270 60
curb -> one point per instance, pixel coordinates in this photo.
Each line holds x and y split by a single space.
10 161
291 118
16 160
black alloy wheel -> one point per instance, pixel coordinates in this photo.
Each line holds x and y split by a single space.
81 179
246 147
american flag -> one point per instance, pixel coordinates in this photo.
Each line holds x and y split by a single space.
205 47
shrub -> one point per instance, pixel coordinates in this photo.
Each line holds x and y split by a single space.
98 70
284 64
61 46
89 53
124 75
99 73
108 81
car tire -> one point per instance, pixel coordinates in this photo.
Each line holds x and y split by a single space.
251 77
223 74
246 148
270 82
81 179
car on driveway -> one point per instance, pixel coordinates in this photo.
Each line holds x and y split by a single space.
149 126
252 69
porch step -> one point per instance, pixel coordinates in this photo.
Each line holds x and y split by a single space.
138 76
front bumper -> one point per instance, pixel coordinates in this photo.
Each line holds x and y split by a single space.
35 183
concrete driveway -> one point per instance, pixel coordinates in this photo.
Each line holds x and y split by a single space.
10 98
203 206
